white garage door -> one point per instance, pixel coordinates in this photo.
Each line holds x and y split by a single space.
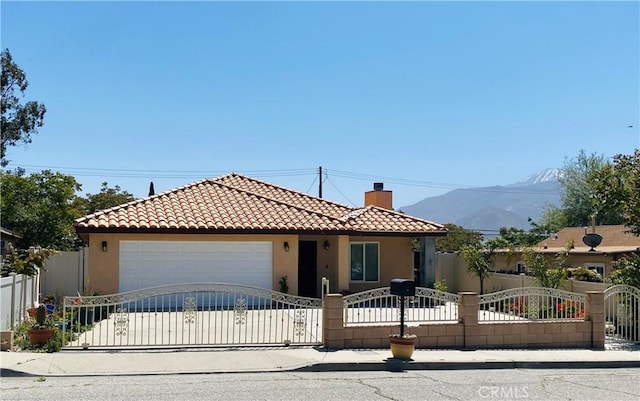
152 263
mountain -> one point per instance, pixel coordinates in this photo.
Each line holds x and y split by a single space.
549 174
489 208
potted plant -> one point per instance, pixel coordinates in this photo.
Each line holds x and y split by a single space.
402 345
42 329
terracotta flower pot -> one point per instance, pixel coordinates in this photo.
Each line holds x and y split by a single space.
39 337
402 347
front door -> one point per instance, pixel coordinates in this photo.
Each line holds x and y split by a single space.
307 269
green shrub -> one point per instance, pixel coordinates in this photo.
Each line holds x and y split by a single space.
440 285
584 274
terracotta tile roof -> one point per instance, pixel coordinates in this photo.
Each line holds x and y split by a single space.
615 239
239 203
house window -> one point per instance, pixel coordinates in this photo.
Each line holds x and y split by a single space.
598 267
365 266
520 267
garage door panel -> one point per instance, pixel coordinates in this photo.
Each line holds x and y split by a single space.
152 263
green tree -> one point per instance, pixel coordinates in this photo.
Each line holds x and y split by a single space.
579 193
553 219
18 121
627 271
26 262
617 188
512 237
457 237
106 198
40 207
548 273
479 262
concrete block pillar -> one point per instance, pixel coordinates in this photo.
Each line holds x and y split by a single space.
333 321
594 312
468 315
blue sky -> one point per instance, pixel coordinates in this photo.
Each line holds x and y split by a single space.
425 96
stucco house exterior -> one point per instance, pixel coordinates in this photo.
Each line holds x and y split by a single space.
7 237
241 230
616 242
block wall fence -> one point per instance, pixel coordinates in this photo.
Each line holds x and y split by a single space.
467 332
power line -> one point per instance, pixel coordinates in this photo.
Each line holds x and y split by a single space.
340 192
191 174
418 183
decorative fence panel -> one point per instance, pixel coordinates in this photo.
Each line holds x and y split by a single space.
192 315
379 306
622 311
531 303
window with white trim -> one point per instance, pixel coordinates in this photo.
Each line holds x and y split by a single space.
598 267
365 262
520 267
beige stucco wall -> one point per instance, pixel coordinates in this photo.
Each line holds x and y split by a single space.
396 261
505 261
396 258
453 268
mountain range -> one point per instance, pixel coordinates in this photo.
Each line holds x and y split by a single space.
486 209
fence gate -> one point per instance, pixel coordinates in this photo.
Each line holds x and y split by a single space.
622 309
191 315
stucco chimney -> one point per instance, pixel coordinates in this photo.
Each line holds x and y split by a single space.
379 197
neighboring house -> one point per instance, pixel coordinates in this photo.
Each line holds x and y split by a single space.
7 237
240 230
616 242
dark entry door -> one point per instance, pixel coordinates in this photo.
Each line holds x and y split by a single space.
417 276
307 268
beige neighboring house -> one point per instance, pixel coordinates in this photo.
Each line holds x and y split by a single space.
7 237
237 229
616 242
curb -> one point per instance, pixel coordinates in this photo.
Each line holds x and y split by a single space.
390 365
399 366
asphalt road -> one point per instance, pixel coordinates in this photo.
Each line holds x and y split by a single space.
512 384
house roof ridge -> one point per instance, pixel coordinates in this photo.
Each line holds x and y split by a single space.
285 189
279 201
402 215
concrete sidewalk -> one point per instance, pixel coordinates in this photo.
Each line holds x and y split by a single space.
278 359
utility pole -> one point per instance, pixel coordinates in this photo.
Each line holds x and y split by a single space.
320 182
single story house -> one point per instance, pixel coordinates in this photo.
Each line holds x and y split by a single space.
7 237
237 229
616 242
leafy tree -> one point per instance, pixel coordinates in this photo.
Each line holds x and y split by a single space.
617 188
105 199
627 271
457 237
40 207
553 219
18 121
579 193
26 262
511 237
548 273
479 262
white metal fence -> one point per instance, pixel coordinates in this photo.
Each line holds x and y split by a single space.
17 293
622 313
531 303
193 315
380 306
